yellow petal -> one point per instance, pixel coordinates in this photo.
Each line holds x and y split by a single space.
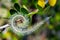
7 34
52 2
41 3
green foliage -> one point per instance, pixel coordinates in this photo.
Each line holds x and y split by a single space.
17 7
24 11
14 1
12 11
25 2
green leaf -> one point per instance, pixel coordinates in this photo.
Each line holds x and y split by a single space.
24 11
46 9
14 1
25 2
35 1
57 27
57 17
40 9
43 11
52 21
12 11
17 7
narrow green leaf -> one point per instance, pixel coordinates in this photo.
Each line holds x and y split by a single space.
17 7
46 9
24 11
12 11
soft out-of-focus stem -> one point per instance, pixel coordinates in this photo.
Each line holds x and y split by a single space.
36 26
5 26
32 13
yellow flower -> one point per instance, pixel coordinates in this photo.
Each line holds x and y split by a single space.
43 2
52 2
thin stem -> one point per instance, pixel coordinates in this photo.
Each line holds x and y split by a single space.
46 1
5 26
32 13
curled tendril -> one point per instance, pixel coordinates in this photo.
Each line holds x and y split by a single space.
20 22
25 28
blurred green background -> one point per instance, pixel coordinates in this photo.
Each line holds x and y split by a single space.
50 30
